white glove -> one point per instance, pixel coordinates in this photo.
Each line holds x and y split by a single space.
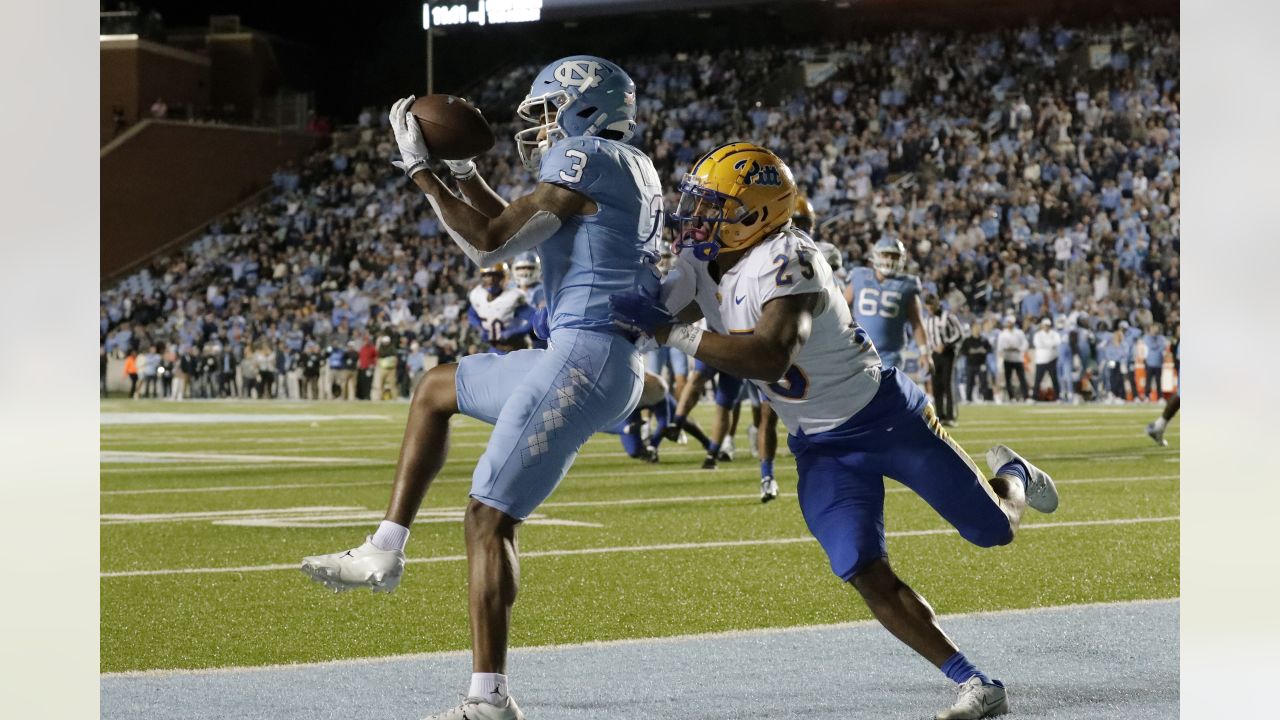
461 169
413 147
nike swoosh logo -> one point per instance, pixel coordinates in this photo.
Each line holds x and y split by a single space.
738 300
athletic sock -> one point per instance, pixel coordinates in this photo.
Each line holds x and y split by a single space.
1159 423
678 421
713 449
390 536
489 687
1014 468
958 669
766 468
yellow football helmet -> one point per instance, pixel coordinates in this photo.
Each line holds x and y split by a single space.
732 198
804 218
494 277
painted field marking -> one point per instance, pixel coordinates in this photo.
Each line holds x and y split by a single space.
621 642
576 503
640 548
116 419
114 456
323 516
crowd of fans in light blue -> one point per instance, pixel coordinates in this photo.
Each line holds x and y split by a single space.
1031 174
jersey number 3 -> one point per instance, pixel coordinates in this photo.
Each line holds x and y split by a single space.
574 173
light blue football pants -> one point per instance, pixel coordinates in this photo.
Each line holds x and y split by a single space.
544 404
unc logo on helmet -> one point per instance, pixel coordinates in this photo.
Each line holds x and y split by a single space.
757 175
581 74
578 96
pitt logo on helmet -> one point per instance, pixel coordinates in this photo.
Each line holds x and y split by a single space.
766 175
734 197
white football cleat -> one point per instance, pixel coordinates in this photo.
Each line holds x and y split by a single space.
365 566
768 489
727 450
977 701
1157 435
1042 494
477 709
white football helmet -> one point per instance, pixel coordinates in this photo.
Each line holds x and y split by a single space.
527 270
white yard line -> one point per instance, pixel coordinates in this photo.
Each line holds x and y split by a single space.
639 548
387 482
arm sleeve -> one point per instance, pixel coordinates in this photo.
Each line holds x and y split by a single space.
679 287
540 226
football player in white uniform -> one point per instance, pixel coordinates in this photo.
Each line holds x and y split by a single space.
781 323
503 315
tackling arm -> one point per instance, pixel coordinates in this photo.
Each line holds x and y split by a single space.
766 353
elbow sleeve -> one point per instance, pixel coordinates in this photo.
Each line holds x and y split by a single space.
541 225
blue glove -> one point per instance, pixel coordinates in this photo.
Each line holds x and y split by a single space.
638 313
540 326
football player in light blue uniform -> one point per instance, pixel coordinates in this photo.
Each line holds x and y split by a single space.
884 299
593 219
526 274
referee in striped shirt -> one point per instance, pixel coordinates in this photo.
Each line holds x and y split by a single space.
943 332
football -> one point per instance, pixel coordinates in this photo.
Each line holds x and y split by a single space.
454 128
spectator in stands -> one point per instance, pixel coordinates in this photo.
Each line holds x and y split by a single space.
159 110
1016 191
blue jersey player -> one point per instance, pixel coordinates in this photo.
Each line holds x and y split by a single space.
884 299
592 218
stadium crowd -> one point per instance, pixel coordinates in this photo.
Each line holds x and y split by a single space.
1033 179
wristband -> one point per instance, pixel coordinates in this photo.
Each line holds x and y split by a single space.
461 169
685 338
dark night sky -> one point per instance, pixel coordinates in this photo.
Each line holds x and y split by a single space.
349 53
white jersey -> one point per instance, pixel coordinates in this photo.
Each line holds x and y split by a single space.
498 313
837 371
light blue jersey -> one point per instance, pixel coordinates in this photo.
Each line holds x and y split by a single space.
880 307
594 256
544 404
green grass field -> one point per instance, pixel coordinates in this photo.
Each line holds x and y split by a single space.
203 526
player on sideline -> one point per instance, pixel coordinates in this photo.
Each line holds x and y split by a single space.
503 315
526 274
884 299
851 420
593 218
1155 429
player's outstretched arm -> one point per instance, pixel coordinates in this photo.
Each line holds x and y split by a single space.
474 188
521 226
